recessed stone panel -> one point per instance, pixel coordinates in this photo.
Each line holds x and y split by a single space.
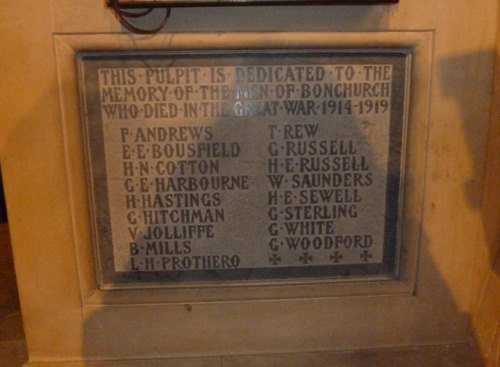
231 166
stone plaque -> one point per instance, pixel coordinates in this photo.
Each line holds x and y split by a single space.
230 166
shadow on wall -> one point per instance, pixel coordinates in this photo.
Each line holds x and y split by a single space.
479 180
3 208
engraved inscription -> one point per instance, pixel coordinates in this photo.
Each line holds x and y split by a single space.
246 166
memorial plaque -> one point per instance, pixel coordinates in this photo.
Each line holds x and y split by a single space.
239 166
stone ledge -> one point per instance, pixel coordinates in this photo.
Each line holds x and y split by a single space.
463 355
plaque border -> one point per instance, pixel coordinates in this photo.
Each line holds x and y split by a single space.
420 44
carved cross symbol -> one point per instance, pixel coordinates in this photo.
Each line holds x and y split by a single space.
336 257
274 259
365 255
305 258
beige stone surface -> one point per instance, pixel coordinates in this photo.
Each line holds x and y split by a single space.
43 168
38 217
487 312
